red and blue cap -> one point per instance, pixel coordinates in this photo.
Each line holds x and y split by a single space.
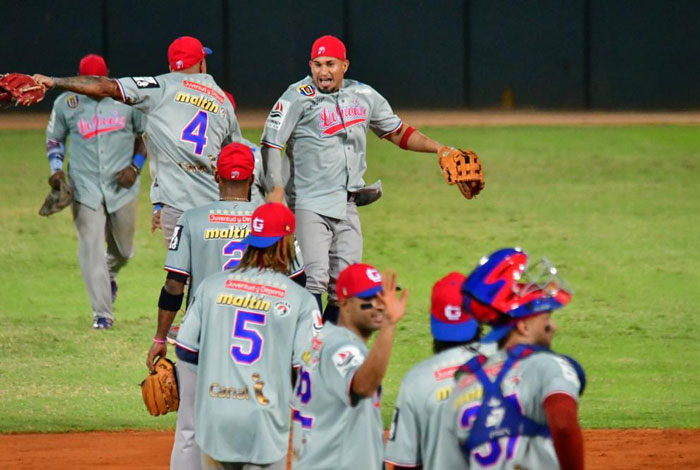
449 321
236 162
358 280
505 288
271 222
186 51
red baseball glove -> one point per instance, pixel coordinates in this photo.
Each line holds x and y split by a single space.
20 89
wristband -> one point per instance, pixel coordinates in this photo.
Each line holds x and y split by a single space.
138 161
56 163
404 139
169 302
159 340
157 206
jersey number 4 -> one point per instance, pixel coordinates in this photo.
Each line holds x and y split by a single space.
251 352
196 132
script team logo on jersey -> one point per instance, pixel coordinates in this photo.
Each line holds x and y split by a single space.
333 121
307 90
146 82
347 358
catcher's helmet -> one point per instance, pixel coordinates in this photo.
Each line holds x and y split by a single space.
505 287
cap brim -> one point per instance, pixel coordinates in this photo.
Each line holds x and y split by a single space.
260 242
453 332
496 334
369 293
207 50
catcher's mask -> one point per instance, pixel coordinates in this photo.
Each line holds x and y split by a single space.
506 287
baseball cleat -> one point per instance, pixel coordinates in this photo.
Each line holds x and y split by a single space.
102 323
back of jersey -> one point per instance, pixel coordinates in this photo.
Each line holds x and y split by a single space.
249 328
189 118
525 385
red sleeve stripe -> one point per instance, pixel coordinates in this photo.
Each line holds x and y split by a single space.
121 90
185 347
407 465
176 270
270 144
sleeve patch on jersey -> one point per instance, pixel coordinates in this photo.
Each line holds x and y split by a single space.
317 322
347 358
394 424
279 110
175 240
273 124
146 82
307 90
282 308
72 101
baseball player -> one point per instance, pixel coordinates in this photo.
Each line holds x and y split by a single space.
246 329
518 409
104 171
207 240
323 121
415 430
189 118
337 422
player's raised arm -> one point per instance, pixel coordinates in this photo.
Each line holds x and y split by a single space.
93 86
369 376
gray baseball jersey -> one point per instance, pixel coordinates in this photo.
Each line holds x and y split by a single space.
415 430
326 138
249 328
208 240
257 191
528 383
101 143
189 119
332 429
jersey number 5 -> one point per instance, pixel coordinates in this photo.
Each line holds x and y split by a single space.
242 330
196 132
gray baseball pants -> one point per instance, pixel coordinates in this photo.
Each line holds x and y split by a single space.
328 246
99 268
185 454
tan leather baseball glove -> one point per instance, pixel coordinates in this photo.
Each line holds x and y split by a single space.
20 89
463 168
159 389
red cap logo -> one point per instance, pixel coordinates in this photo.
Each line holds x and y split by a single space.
328 46
358 280
271 222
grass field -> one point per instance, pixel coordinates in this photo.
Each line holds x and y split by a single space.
616 208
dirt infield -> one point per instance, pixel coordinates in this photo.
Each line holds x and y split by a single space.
608 449
256 118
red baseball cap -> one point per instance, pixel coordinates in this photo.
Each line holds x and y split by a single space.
93 64
448 320
358 280
329 46
271 221
186 51
236 162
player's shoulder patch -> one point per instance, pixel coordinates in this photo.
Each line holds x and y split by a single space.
346 358
146 82
277 114
307 90
72 101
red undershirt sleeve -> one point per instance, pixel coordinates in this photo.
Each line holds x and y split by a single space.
562 416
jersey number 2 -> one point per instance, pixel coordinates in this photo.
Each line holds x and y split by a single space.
196 132
242 330
235 251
